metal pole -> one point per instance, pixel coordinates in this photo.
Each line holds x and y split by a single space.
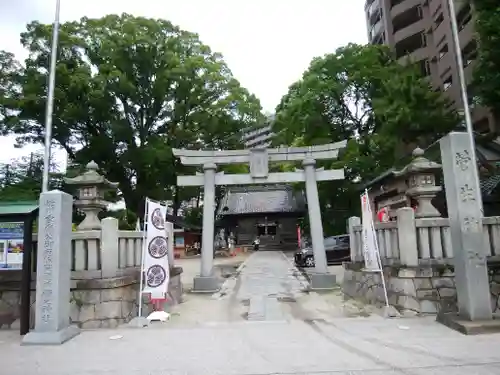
463 92
50 100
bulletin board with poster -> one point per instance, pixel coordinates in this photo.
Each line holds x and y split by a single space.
16 244
11 245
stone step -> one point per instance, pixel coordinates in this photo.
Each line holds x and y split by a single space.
256 308
264 308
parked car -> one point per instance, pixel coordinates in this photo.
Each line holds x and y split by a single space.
337 250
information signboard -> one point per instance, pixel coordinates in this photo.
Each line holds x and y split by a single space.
11 245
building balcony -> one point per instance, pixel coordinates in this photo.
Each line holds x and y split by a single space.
256 132
469 72
446 62
409 31
376 30
466 34
416 55
260 139
373 10
400 8
434 5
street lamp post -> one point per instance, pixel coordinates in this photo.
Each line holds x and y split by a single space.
50 100
463 90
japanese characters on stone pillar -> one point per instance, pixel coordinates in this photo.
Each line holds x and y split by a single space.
53 277
465 214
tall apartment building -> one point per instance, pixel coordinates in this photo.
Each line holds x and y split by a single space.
420 31
259 136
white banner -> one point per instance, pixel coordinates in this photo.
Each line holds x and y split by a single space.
370 246
155 252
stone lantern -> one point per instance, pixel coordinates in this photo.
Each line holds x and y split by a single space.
420 175
91 187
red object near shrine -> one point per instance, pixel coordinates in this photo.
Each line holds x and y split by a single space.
383 215
298 235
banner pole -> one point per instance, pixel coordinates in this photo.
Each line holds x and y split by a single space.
141 273
377 251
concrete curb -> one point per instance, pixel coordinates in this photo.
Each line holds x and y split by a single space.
302 279
225 285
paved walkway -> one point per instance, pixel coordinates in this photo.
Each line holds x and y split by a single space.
267 279
270 344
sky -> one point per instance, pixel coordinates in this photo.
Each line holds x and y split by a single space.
266 43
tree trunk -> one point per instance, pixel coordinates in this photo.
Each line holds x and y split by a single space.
136 203
176 200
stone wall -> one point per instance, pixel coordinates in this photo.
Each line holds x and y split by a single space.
412 291
95 303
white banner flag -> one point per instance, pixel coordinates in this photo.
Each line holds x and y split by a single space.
155 252
370 246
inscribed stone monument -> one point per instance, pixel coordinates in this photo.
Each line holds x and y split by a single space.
52 325
465 214
259 163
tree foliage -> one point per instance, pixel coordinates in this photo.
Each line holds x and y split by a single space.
361 94
128 90
487 68
21 179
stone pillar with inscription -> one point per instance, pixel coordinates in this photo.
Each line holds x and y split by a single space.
463 198
320 278
53 279
207 282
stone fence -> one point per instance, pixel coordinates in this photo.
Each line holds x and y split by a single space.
104 279
104 253
417 258
411 242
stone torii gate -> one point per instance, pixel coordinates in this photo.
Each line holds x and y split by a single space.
258 159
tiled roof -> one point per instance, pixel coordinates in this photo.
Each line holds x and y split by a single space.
252 200
488 184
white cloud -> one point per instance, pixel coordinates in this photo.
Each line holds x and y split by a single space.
266 43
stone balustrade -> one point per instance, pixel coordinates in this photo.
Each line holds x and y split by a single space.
417 257
409 241
104 278
123 249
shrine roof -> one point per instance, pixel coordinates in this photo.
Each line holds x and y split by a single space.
488 156
260 200
17 208
489 184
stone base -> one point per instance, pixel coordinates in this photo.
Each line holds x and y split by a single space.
206 284
468 327
138 322
391 312
322 281
50 338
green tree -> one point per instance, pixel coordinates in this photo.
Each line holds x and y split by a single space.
9 77
21 179
361 94
127 219
487 69
194 216
128 90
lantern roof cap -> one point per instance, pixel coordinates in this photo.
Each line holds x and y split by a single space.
419 164
90 177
